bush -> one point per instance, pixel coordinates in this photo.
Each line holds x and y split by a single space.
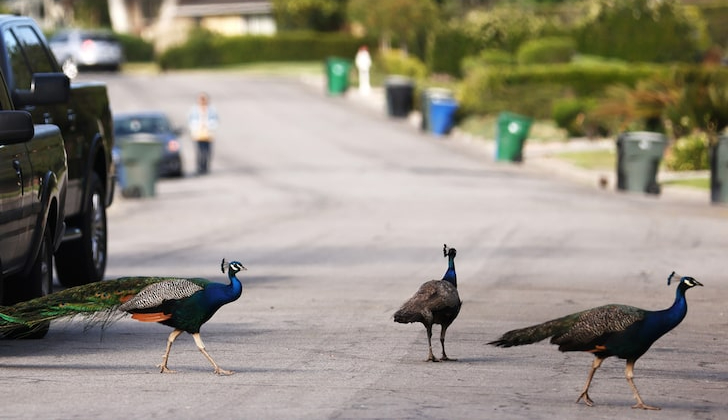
135 48
205 49
549 50
447 49
397 62
487 57
689 153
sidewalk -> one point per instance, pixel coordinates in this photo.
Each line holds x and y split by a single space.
539 156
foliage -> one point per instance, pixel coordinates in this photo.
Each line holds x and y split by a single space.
409 21
507 27
448 47
317 15
396 62
205 49
689 153
643 30
484 59
136 49
569 114
549 50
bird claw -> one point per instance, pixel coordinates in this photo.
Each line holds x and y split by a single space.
223 372
165 369
644 406
447 359
588 401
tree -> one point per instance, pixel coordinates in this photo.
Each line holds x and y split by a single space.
317 15
407 21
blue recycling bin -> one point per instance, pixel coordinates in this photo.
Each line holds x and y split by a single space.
442 111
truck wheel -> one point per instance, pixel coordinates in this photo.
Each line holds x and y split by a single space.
83 260
38 283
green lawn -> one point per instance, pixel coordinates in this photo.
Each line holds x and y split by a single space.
593 159
701 183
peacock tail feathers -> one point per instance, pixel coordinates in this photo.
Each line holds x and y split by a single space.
99 302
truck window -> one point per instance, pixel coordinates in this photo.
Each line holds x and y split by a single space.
20 72
27 54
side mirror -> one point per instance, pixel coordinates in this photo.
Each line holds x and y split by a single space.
16 127
45 89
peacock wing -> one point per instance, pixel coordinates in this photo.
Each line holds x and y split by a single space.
592 328
157 293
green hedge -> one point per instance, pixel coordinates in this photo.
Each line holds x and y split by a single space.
549 50
448 48
531 90
204 49
136 49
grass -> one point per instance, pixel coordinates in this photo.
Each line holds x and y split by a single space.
700 183
592 159
485 127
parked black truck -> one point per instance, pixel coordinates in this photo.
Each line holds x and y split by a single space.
85 122
33 186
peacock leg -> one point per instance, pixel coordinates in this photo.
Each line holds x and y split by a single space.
172 336
585 393
444 357
430 357
201 346
629 373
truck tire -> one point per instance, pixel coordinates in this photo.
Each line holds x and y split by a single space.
38 283
83 260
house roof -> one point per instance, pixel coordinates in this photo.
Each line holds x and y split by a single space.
200 8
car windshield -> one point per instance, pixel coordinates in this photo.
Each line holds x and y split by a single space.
125 126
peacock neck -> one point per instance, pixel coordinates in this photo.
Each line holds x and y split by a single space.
675 313
450 275
236 287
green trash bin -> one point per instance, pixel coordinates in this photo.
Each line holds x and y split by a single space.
511 133
337 75
638 159
719 171
140 159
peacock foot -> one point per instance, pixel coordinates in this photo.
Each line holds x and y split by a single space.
588 401
223 372
645 406
447 359
431 359
165 369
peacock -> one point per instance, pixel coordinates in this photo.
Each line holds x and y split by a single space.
183 304
436 302
610 330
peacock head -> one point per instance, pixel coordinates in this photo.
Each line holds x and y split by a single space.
233 267
448 252
688 281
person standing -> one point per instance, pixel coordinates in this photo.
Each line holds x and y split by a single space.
202 123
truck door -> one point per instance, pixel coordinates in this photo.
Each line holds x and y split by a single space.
16 221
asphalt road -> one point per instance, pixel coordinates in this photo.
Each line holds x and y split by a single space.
339 214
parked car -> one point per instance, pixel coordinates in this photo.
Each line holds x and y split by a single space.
86 49
154 125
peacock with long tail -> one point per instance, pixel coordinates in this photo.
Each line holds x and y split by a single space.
183 304
436 302
611 330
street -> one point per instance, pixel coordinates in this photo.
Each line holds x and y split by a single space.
339 214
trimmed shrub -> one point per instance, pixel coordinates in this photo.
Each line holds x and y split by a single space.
689 153
487 57
204 49
447 49
397 62
135 48
551 50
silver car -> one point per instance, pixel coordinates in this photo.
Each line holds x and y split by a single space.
80 49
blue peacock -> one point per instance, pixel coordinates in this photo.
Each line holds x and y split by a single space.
435 302
183 304
610 330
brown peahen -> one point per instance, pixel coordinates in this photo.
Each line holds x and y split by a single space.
183 304
611 330
436 302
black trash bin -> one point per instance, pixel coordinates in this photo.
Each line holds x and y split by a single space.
719 171
400 96
638 159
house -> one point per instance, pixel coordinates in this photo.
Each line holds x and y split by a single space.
167 22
